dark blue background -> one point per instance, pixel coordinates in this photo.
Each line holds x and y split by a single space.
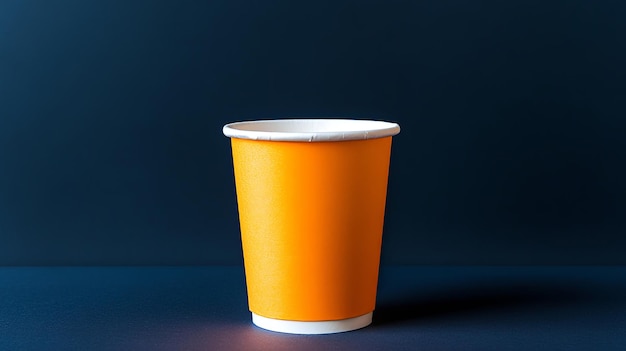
512 148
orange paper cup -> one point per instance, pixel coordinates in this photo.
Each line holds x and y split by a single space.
311 199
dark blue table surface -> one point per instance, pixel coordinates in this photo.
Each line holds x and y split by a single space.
419 308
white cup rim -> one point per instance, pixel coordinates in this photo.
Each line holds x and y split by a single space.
311 130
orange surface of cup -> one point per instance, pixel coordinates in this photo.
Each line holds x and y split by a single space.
311 216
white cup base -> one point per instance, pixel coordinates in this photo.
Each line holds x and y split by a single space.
317 327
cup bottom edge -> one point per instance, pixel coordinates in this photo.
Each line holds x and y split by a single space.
314 327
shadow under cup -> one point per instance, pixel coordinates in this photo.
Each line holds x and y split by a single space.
311 198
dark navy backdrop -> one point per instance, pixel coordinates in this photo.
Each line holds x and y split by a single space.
513 113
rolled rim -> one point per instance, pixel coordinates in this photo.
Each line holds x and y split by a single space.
311 130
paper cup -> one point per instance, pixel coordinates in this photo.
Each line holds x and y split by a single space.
311 198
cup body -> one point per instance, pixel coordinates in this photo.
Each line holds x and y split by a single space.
311 208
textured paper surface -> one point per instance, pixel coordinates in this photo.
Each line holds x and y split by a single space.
311 218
